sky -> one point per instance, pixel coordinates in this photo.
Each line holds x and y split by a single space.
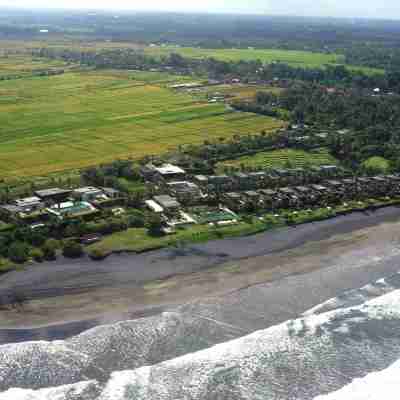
328 8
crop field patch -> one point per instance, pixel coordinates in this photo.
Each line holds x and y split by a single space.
22 65
51 124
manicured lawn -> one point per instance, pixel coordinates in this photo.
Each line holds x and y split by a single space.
138 240
51 124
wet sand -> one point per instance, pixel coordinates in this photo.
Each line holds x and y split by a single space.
280 273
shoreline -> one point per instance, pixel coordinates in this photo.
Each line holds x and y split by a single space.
255 230
179 276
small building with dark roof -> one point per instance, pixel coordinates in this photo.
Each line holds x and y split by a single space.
168 203
185 192
304 190
233 200
201 180
287 191
334 184
53 194
319 188
112 193
268 192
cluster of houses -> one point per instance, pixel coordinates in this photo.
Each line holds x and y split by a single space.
177 195
59 203
261 190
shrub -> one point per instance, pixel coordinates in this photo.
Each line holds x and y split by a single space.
18 252
136 221
248 219
37 239
154 225
98 254
72 249
37 255
5 266
376 165
50 248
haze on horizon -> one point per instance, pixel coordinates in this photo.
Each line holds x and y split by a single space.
324 8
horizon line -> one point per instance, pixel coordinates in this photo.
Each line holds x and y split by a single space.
195 12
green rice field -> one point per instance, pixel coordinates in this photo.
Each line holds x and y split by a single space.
281 159
63 122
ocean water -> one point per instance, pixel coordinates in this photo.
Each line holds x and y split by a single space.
348 346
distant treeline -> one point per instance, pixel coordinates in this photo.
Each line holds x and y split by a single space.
362 42
32 74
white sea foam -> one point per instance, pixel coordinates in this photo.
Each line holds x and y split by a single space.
298 359
356 296
383 385
79 391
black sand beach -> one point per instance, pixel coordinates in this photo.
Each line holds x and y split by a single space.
256 281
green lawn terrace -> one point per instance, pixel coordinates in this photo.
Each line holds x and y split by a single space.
285 158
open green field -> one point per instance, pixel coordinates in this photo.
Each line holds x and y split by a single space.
303 59
281 159
50 124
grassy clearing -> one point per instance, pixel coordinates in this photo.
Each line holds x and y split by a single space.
282 158
51 124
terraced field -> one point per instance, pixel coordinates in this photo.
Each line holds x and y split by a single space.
281 159
52 124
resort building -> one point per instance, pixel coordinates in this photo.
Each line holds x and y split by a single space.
89 193
53 195
169 204
72 209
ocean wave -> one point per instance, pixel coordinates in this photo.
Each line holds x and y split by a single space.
299 359
96 353
358 296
